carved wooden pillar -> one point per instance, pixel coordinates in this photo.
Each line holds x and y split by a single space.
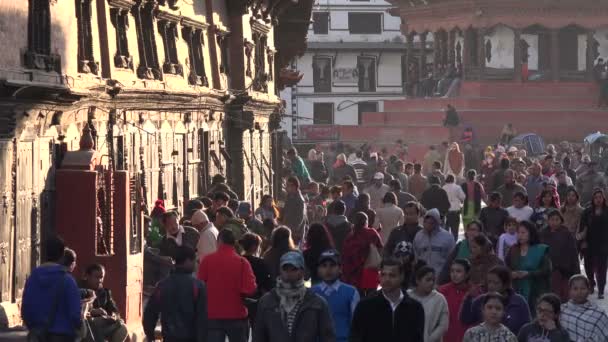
436 51
555 54
481 49
408 55
452 48
590 54
422 59
517 55
466 53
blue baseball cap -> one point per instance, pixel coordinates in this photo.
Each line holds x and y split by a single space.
294 259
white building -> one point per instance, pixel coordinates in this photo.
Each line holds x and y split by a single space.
353 62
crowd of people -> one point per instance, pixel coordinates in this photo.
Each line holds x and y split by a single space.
366 250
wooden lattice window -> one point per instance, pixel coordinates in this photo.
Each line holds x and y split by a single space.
168 32
260 82
38 54
120 20
149 67
222 42
195 40
86 59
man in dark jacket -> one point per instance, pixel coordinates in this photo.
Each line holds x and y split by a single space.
497 179
338 224
510 188
181 302
403 198
293 214
391 315
218 184
406 232
176 235
435 197
51 293
291 312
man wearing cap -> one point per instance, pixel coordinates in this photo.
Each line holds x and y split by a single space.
377 190
207 241
218 184
291 312
245 213
293 214
229 279
588 181
509 188
341 298
433 244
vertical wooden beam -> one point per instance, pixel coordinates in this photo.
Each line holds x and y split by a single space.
590 54
451 48
422 59
436 51
408 56
555 54
517 54
481 50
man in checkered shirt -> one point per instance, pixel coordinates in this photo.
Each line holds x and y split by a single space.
584 320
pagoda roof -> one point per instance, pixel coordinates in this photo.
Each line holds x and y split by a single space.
432 15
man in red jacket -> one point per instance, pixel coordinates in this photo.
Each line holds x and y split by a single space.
229 278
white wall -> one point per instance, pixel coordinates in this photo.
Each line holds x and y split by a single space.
601 36
502 39
349 113
338 22
532 41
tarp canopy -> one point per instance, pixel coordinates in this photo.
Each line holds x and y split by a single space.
596 138
531 142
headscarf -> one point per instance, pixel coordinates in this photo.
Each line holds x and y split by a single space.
312 154
340 160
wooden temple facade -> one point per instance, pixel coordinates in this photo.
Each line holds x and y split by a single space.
173 92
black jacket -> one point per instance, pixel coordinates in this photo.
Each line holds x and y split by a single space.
435 198
181 302
374 321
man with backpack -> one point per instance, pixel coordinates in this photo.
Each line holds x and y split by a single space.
181 302
51 299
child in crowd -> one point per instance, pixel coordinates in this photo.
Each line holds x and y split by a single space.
546 327
493 310
454 292
341 298
520 209
508 238
583 320
436 316
103 317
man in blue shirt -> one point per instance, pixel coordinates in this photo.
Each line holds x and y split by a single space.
342 298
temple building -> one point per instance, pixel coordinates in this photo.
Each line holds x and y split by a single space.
529 63
150 98
354 62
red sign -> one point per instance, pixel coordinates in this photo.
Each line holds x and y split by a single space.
318 132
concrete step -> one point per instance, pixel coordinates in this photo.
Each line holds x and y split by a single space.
439 104
528 89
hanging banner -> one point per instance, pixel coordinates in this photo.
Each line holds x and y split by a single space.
346 75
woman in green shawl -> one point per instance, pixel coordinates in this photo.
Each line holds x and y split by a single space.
530 264
462 250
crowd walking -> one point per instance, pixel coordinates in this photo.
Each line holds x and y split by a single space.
367 249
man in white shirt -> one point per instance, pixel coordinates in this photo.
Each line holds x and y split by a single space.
377 190
520 209
207 242
456 196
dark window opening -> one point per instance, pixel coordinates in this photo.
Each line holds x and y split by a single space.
222 42
366 107
367 73
321 74
120 20
323 114
149 67
365 23
86 60
195 40
260 82
38 54
168 32
320 22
